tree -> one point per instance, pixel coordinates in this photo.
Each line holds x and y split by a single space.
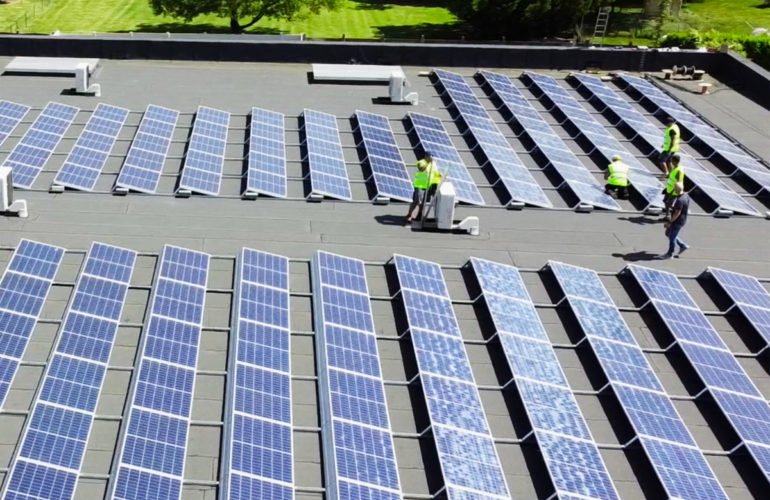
523 19
236 10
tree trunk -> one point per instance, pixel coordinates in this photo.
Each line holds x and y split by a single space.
676 7
235 27
651 8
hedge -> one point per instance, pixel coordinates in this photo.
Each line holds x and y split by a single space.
756 48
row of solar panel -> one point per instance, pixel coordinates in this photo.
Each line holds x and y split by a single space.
359 454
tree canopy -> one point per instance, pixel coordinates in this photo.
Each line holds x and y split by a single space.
523 19
237 11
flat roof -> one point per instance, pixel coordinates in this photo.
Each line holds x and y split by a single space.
602 240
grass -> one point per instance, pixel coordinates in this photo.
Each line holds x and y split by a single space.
356 19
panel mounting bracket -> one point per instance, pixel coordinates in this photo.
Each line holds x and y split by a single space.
584 208
120 191
315 197
381 200
723 213
515 205
249 195
56 188
183 193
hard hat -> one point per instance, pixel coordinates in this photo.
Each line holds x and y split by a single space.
616 157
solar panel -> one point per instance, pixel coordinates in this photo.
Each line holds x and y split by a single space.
512 173
569 450
326 161
257 446
85 162
153 442
23 290
383 156
267 154
659 427
147 154
434 138
642 180
707 182
709 136
11 114
359 455
204 162
466 450
37 145
748 296
733 390
582 183
55 436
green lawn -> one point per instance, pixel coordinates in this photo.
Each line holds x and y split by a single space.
729 16
356 19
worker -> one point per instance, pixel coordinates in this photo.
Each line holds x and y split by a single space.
675 178
679 209
434 176
421 184
671 139
617 178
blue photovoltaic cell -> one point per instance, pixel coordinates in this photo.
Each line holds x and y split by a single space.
360 456
384 157
23 290
633 380
147 154
85 162
326 161
568 448
257 449
267 154
734 391
37 145
55 437
749 296
514 175
11 114
466 450
582 183
645 183
205 158
652 134
153 443
708 135
434 138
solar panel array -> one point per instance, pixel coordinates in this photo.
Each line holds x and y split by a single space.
709 136
23 289
568 448
266 172
642 180
257 451
85 162
733 390
145 158
678 462
513 174
326 161
153 443
359 455
434 138
34 149
748 296
582 183
466 450
51 450
205 159
389 173
11 114
707 182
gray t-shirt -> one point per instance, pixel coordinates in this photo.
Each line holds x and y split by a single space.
681 202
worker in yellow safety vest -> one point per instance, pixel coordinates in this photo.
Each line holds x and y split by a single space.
425 180
674 184
617 178
671 139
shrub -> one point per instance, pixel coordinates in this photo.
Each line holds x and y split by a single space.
682 39
758 49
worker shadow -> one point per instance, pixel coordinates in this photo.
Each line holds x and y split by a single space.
642 220
391 220
636 256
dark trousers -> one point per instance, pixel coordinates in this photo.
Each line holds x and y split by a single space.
622 191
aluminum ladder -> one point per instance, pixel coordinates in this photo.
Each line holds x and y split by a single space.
602 21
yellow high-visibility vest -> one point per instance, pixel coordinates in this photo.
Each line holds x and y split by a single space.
421 179
431 169
669 145
618 174
676 175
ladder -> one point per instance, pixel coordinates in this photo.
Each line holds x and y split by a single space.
602 21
